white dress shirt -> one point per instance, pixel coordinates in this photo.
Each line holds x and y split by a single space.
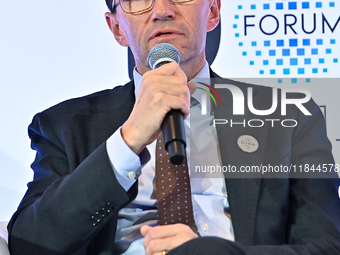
209 195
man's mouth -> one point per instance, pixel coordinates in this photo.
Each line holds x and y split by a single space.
163 34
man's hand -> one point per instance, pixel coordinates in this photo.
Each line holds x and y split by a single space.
168 237
162 89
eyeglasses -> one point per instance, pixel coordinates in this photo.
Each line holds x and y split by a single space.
139 6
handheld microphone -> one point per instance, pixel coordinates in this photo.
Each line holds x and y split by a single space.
173 124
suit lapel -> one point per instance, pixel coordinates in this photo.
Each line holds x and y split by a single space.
243 193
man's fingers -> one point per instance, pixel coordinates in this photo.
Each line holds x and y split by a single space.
156 233
172 68
161 90
167 237
168 231
174 85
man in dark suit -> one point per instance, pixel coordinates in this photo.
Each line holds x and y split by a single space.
88 198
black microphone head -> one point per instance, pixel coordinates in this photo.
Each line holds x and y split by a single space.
163 53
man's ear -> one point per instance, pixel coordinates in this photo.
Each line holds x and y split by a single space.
214 16
114 26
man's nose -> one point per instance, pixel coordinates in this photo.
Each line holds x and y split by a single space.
163 10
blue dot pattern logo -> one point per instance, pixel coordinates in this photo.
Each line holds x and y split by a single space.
289 54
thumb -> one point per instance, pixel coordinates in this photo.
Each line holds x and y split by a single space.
145 230
192 86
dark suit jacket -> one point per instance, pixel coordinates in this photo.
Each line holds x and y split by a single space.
72 204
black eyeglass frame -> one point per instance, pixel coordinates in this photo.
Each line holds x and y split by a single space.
146 9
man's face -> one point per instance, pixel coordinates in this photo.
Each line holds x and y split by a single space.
182 25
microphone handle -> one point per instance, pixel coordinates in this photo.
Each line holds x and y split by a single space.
174 136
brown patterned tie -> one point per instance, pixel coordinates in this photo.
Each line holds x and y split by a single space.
173 190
